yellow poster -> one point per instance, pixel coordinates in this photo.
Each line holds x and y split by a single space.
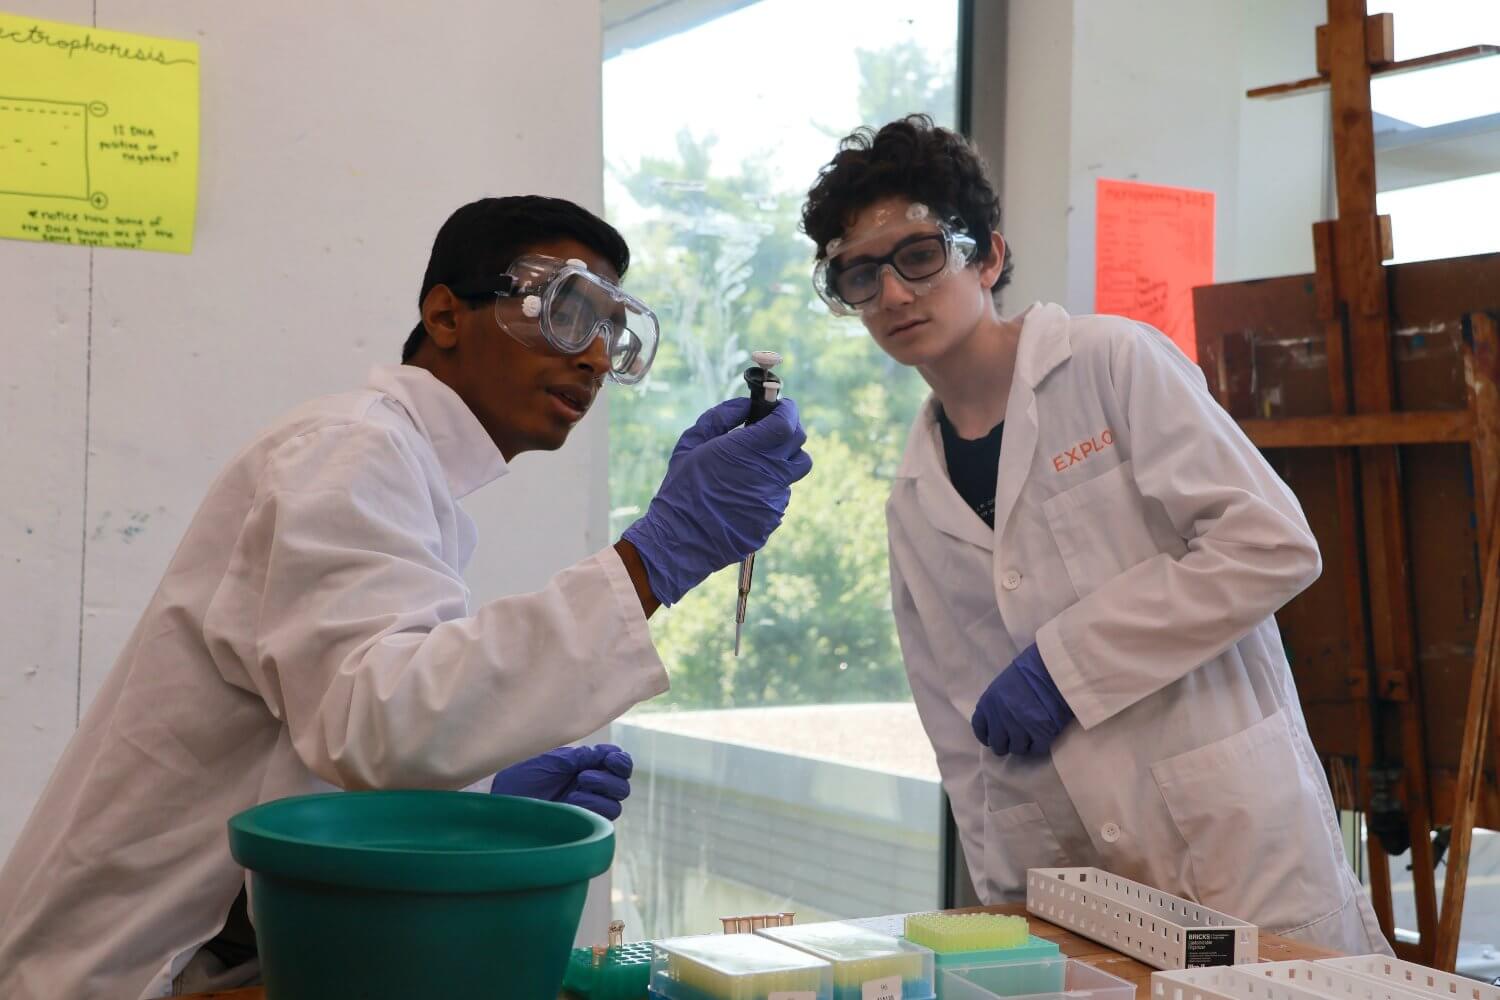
98 136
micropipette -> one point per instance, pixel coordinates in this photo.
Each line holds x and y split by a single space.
765 392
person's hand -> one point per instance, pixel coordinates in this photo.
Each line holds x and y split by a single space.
596 778
725 491
1022 711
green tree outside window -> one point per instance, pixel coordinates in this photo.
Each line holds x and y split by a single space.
718 254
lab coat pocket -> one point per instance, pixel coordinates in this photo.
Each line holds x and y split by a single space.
1101 528
1015 839
1259 844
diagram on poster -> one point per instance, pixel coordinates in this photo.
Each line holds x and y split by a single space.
98 136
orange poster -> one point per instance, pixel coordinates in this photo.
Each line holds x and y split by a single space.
1153 245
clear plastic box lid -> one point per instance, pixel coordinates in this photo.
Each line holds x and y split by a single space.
1053 979
737 967
861 955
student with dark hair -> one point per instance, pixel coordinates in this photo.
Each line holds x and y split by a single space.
314 631
1086 555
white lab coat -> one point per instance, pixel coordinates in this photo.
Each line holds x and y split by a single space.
1143 543
313 629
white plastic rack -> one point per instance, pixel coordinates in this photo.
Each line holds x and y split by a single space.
1274 981
1412 978
1154 927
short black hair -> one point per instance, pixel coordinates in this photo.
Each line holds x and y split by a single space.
910 158
484 237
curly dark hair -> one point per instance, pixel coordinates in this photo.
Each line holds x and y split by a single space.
909 158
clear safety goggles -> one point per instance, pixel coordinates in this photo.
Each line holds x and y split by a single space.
925 253
565 307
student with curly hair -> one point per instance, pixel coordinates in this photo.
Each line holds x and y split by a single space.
1086 555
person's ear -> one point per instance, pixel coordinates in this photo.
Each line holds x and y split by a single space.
440 312
989 271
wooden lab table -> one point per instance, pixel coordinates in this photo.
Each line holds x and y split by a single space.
1272 949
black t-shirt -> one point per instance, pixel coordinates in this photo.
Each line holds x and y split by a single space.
973 466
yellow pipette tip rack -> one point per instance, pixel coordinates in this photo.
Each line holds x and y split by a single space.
946 933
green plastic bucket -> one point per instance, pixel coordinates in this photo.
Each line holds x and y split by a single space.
399 895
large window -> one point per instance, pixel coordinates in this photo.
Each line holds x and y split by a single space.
795 776
1438 132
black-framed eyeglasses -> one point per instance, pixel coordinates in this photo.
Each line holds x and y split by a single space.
917 258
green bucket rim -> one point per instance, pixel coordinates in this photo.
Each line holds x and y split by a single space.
265 849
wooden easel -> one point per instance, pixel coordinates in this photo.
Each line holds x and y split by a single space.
1374 440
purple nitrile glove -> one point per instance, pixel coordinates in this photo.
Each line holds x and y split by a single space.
596 778
1022 711
725 491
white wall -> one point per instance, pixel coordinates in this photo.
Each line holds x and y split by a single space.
1284 170
1153 90
43 365
1038 155
337 136
1155 98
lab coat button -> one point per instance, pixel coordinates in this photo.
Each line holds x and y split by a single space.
1011 580
1110 832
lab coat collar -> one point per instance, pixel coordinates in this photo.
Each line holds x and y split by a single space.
1045 342
922 444
940 502
464 449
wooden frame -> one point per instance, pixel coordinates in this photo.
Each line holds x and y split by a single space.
1392 444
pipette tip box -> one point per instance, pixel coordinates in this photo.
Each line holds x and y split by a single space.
961 939
736 967
1068 978
865 963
